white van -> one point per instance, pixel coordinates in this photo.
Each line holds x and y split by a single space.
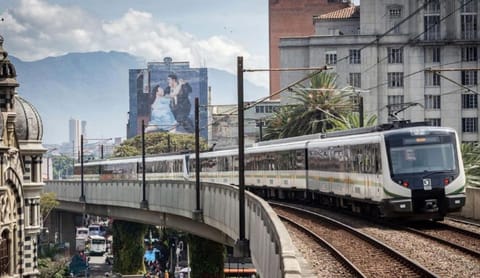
81 232
94 230
97 245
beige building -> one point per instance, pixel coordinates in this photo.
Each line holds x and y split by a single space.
20 180
223 123
385 49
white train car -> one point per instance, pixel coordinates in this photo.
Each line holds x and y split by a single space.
408 171
415 171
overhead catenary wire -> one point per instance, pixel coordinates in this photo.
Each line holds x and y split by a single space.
415 37
363 47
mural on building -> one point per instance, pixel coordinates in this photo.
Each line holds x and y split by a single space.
163 96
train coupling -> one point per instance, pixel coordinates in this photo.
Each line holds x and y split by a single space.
430 205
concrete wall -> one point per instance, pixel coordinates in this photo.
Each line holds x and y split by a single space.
173 204
472 205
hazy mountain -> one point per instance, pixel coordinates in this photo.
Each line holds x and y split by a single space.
94 87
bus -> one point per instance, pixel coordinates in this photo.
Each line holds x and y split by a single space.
97 245
81 232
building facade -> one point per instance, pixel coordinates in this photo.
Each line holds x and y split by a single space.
76 129
173 110
223 123
20 180
412 60
289 18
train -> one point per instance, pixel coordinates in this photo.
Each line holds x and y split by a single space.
396 170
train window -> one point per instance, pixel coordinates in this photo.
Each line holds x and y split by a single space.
421 158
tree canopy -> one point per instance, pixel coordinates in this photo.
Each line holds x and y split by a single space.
158 142
318 107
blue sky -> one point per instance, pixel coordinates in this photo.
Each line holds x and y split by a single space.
208 33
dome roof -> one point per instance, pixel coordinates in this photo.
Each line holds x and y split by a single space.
28 124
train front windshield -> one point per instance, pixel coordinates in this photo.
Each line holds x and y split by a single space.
419 154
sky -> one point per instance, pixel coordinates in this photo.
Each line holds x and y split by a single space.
207 33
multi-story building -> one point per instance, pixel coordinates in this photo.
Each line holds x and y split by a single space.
77 128
412 60
145 104
21 180
288 18
223 123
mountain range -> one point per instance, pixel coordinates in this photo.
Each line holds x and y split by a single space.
93 87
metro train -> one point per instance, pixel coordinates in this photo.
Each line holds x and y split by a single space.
406 170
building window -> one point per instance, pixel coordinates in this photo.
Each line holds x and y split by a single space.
469 124
468 19
395 12
469 101
432 79
434 121
354 55
431 21
395 55
331 58
260 109
268 109
395 79
432 55
468 26
469 77
355 79
469 54
432 102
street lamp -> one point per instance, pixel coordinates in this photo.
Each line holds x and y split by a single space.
82 194
144 202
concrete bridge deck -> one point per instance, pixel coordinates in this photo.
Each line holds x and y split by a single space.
173 204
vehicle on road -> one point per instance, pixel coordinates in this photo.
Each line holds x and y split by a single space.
97 245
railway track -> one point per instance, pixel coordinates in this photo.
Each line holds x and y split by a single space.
463 221
457 238
367 256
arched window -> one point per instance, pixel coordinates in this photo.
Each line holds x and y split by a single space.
4 254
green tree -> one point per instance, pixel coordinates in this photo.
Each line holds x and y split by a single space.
158 142
206 257
471 163
48 201
350 120
314 106
128 246
62 166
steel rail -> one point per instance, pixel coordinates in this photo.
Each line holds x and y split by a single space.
402 259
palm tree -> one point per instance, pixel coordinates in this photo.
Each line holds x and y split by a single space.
471 163
351 120
314 106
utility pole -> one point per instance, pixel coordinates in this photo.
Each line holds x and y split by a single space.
242 245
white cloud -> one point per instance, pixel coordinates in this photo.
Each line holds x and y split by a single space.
36 29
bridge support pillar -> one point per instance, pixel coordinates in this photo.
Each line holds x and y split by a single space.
61 228
241 248
197 215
